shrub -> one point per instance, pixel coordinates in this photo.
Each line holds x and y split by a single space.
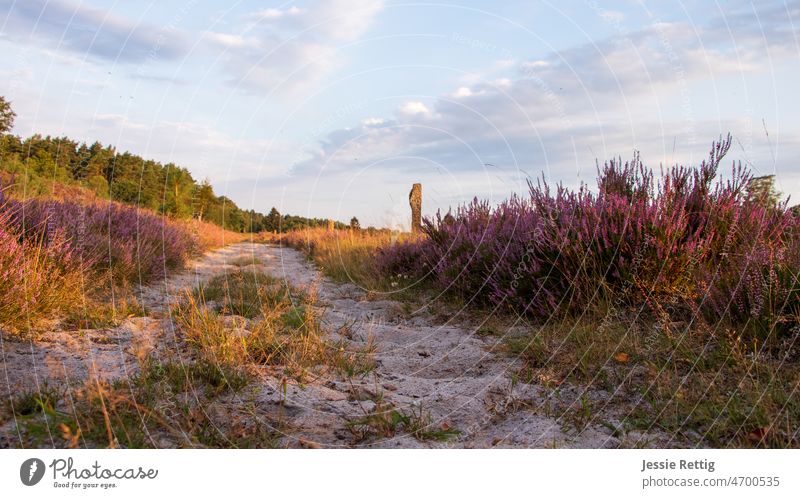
129 244
55 254
684 241
36 279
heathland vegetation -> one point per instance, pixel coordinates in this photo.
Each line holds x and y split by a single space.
79 221
675 295
679 291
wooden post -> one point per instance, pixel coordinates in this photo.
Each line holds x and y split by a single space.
415 200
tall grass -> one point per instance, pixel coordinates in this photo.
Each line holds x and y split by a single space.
347 255
249 318
210 236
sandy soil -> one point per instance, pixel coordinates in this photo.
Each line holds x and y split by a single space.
445 370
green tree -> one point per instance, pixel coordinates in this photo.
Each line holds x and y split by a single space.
762 189
7 116
37 162
205 198
99 185
272 222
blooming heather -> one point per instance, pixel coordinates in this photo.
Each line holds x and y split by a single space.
129 244
684 242
36 279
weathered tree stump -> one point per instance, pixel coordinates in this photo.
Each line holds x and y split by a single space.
415 200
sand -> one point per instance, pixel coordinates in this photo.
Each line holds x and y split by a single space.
452 376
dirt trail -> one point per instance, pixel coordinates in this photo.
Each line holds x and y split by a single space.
447 372
59 356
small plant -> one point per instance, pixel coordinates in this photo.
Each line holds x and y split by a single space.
29 403
354 362
245 293
385 420
578 415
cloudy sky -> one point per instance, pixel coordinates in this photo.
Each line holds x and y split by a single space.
334 108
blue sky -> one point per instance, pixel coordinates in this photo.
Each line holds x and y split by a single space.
334 108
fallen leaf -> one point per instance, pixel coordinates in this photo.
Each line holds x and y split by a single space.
622 357
757 435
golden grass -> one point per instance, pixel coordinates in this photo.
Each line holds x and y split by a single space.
274 326
210 236
34 287
689 380
344 255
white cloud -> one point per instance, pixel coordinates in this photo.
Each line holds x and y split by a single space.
505 64
414 108
227 40
277 13
562 111
292 50
89 31
612 16
344 19
533 65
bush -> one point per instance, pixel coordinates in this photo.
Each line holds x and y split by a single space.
36 279
127 244
54 255
683 242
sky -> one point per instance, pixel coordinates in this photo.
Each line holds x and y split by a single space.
334 108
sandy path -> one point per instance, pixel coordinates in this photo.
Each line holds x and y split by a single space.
447 372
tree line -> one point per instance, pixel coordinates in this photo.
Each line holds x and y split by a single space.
34 164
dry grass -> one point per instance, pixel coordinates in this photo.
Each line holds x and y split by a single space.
106 309
210 236
247 318
186 403
167 404
697 384
36 284
344 255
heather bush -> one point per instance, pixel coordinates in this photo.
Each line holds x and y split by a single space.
36 279
125 243
680 242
